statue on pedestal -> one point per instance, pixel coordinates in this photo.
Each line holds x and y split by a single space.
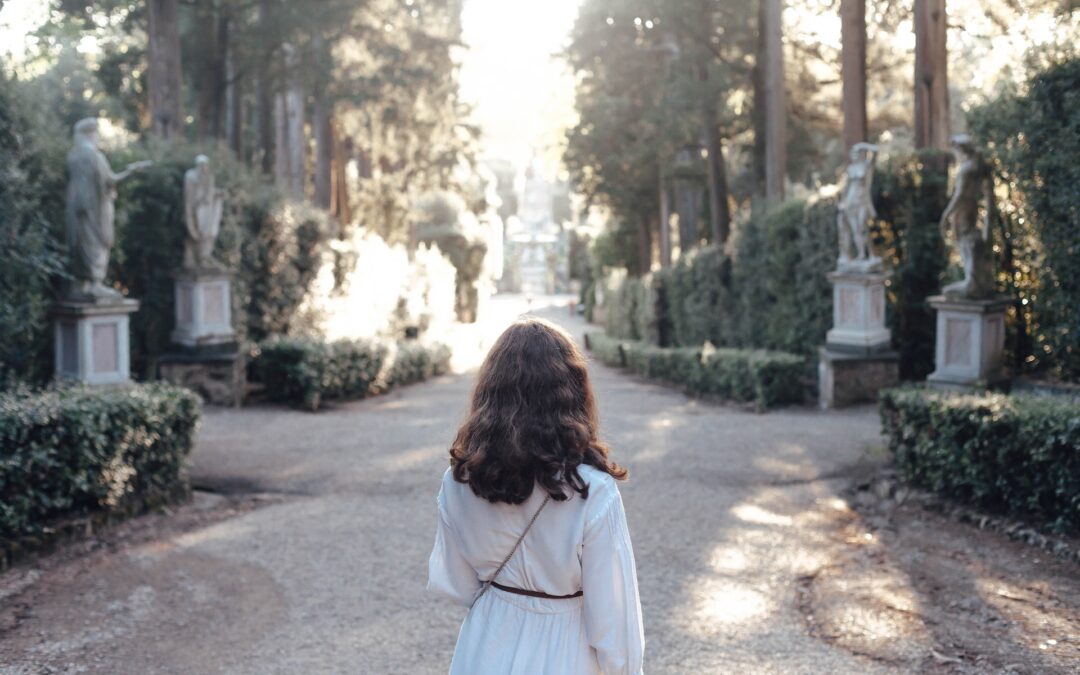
971 232
90 213
856 209
203 205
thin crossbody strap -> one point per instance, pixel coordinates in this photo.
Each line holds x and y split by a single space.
487 584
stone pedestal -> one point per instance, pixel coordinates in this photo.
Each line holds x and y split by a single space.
850 379
217 375
203 308
93 340
970 345
858 313
857 362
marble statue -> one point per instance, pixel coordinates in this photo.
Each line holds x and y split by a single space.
961 218
90 214
203 204
856 209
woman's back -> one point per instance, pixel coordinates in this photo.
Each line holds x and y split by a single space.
531 532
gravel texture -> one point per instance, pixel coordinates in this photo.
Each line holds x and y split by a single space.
730 512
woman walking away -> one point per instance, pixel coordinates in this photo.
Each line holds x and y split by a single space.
531 531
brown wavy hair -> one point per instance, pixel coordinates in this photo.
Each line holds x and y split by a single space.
533 419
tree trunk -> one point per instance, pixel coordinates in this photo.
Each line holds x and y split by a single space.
324 151
719 216
213 87
665 226
931 75
321 121
164 77
853 69
758 110
339 186
775 103
234 108
294 108
644 245
265 99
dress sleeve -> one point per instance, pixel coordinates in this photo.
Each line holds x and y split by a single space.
449 574
609 581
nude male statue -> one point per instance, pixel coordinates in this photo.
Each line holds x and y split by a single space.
856 209
971 232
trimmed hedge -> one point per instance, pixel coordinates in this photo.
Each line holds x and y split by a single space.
306 372
1018 455
73 451
766 379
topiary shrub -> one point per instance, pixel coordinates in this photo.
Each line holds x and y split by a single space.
74 451
1018 455
414 362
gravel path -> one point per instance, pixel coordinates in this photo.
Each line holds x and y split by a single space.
728 509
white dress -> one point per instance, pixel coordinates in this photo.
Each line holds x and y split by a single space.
577 544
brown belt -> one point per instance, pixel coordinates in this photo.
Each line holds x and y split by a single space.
534 594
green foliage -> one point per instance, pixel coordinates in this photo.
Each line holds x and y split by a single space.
31 208
910 196
414 362
1017 455
698 292
76 451
766 379
306 372
1033 140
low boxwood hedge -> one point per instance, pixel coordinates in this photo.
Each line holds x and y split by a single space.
766 379
1018 455
306 372
74 451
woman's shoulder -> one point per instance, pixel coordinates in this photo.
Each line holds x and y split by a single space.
603 490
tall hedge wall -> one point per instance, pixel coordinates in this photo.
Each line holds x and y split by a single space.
1033 142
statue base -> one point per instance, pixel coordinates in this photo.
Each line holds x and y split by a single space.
92 340
846 379
203 308
218 374
970 344
858 313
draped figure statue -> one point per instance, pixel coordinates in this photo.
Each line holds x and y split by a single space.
856 209
961 217
90 214
203 205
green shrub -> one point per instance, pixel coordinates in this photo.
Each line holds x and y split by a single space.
1018 455
303 371
74 451
31 216
606 348
414 362
763 378
1033 140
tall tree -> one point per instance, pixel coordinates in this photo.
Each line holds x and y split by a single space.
164 76
775 101
931 75
853 70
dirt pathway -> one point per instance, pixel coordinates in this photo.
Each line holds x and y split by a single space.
316 560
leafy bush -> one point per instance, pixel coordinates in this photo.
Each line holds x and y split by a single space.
76 450
764 378
1033 140
1019 455
305 371
31 215
413 362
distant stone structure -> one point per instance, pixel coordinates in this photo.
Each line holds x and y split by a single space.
91 321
